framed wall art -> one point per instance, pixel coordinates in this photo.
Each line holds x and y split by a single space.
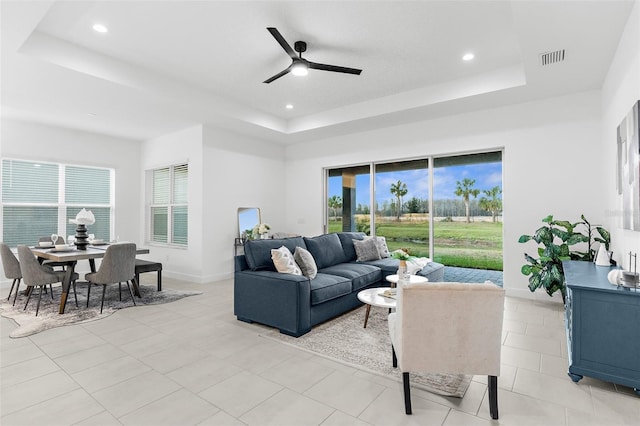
628 168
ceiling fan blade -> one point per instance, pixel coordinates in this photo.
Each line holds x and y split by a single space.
277 76
276 34
334 68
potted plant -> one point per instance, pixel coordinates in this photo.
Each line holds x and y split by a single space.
555 240
403 256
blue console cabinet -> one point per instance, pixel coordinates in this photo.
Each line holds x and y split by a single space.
603 326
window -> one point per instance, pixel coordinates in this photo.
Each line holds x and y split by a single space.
38 199
168 208
445 208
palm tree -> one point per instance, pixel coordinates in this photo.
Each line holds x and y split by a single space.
464 189
399 190
335 202
492 201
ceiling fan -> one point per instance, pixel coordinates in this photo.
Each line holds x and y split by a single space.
299 65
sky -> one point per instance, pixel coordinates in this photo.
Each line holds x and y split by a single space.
486 175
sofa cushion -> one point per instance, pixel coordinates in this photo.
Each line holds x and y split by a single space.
305 261
361 275
433 271
366 250
346 239
388 265
325 287
258 252
284 262
325 249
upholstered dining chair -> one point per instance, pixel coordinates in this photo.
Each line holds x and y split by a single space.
11 267
37 275
448 328
117 266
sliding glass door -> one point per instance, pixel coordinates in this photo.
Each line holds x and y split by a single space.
349 199
402 205
467 207
446 208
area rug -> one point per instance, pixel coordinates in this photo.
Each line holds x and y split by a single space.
48 316
344 339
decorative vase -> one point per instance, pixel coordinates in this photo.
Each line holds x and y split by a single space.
602 258
264 236
81 237
402 271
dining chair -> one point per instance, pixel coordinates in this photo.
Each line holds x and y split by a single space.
37 275
453 328
11 267
117 266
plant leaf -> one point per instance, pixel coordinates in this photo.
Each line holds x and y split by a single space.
524 238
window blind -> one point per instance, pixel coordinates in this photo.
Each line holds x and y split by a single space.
38 199
168 211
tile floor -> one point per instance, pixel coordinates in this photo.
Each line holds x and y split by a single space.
191 362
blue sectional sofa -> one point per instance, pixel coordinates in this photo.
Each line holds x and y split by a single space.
294 303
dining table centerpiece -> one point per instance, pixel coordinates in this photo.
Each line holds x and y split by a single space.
83 218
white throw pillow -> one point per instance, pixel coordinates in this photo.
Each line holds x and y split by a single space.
284 262
306 262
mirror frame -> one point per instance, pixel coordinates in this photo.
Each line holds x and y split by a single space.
242 223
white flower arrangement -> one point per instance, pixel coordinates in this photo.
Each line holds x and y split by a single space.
261 229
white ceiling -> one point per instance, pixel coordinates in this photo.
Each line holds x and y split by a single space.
166 65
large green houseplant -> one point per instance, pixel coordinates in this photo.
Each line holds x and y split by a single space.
555 240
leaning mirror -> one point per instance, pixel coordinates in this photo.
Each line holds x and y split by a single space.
248 217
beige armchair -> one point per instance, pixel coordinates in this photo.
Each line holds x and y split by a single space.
448 328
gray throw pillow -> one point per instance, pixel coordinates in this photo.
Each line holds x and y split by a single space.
305 261
366 250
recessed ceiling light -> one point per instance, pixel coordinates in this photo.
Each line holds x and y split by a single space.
468 56
91 114
288 106
100 28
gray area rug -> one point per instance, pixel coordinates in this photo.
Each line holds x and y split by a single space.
345 340
48 317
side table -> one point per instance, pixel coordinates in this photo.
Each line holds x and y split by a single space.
373 297
413 279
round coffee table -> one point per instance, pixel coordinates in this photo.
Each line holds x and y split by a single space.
373 297
413 279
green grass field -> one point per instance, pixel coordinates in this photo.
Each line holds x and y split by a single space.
469 245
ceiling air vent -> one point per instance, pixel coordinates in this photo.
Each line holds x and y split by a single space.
549 58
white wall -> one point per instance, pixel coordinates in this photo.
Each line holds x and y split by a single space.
239 172
176 148
30 141
621 90
552 158
226 171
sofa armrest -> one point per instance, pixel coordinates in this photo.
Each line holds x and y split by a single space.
274 299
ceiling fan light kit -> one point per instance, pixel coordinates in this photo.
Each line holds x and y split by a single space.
299 65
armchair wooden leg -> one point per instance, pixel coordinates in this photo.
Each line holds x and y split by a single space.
493 397
407 393
394 359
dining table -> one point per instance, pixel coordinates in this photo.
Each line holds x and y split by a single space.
71 256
